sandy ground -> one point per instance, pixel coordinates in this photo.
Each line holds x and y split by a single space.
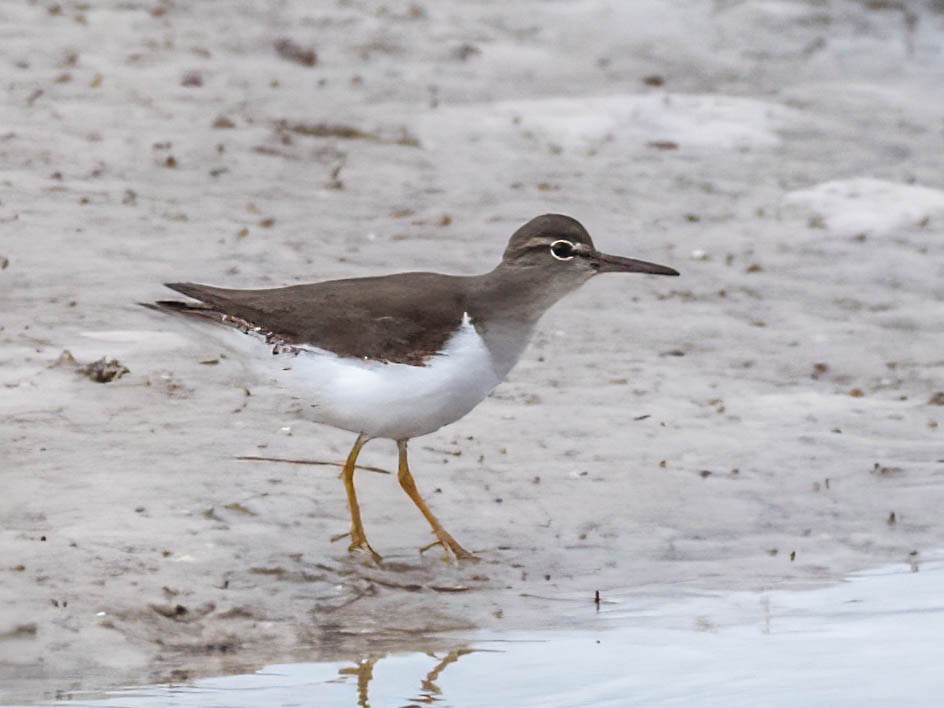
772 419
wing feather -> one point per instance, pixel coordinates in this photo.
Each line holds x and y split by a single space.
403 318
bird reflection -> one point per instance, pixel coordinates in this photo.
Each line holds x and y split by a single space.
429 690
364 670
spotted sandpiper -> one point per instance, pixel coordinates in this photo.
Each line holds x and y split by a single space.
399 356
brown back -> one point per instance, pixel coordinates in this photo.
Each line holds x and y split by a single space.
377 318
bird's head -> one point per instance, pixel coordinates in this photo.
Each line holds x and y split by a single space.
559 248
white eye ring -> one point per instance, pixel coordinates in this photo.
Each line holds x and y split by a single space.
563 250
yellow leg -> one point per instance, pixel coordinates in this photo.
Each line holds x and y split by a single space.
409 486
358 537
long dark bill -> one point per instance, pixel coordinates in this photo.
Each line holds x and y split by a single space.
605 263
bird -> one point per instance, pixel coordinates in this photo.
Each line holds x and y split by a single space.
399 356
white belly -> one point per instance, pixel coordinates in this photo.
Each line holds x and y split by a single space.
386 400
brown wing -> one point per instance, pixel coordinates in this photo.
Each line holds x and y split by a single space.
401 318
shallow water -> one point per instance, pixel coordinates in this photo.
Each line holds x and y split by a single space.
869 641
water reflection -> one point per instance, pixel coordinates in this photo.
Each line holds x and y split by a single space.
410 679
711 650
364 670
429 690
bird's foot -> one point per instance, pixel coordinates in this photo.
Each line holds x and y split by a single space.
358 543
451 546
378 559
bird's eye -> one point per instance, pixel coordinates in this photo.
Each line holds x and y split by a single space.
563 250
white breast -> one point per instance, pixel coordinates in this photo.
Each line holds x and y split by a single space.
387 400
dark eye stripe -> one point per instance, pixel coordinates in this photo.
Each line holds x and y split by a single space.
563 250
